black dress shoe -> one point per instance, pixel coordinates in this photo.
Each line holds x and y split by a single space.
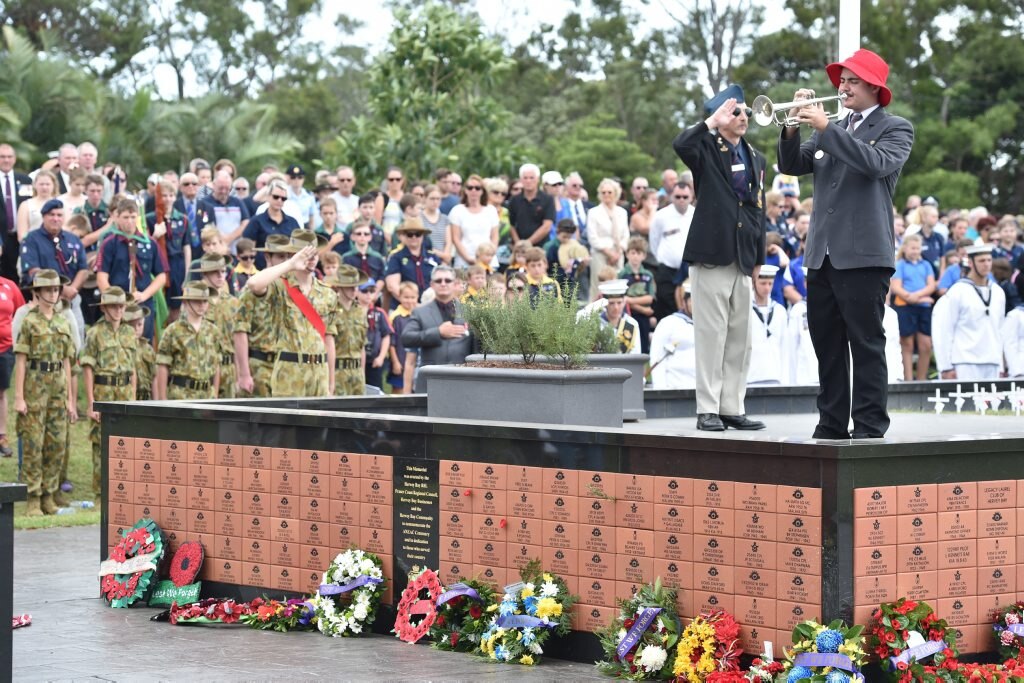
826 433
709 422
866 435
742 422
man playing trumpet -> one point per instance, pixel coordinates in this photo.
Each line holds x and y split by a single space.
856 162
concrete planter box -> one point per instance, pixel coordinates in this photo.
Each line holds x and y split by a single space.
632 388
590 397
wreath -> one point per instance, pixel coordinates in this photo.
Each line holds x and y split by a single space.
905 633
1008 624
461 616
209 611
527 615
709 644
296 614
831 654
640 643
126 576
348 597
413 605
185 564
762 671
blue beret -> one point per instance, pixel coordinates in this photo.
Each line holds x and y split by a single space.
718 100
51 205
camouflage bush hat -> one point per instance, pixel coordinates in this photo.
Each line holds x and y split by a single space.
135 312
114 296
275 244
347 276
194 291
211 263
48 277
301 239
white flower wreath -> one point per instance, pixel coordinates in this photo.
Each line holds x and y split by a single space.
359 574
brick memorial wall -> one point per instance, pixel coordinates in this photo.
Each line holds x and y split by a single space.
955 545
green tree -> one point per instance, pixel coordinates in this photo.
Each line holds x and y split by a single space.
596 149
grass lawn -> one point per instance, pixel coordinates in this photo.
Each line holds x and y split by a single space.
79 472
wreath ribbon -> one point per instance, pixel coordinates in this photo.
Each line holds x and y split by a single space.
919 652
523 621
834 660
455 591
358 582
1016 629
640 626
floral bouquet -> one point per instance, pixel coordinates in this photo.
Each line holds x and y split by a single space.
905 633
825 654
709 644
462 616
415 615
640 643
346 602
208 612
1008 623
763 670
528 613
296 614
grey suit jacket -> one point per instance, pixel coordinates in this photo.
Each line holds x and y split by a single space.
854 182
422 332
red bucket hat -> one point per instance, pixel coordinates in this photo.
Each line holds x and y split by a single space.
869 67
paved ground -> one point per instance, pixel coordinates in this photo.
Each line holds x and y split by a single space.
75 636
905 426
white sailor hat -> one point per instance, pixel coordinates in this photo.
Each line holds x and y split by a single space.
976 249
614 288
767 272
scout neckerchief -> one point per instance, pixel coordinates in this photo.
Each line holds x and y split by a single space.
767 324
306 308
977 290
62 264
623 334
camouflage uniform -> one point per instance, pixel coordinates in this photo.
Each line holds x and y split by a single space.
192 356
111 355
296 335
145 368
253 317
222 314
46 344
348 346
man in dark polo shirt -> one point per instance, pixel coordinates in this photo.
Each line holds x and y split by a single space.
531 212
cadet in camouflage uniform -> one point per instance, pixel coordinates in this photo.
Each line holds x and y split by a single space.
350 342
255 336
305 354
42 395
222 314
188 362
145 355
108 367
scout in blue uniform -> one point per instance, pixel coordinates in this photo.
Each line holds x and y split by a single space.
640 295
130 259
378 334
179 235
362 256
411 263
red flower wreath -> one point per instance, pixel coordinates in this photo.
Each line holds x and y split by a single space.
145 538
411 605
186 563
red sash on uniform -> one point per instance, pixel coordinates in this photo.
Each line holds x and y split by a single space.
306 308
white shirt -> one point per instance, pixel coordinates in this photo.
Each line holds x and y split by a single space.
1013 341
605 231
893 352
348 207
803 364
768 362
475 228
966 331
669 230
673 353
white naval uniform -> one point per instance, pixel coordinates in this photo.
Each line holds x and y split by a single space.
966 336
1013 341
803 364
893 352
768 358
627 331
673 354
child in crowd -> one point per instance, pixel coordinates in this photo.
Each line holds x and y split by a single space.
408 295
362 256
378 240
640 295
604 275
476 283
536 274
145 354
378 334
496 287
566 255
518 261
486 257
337 238
329 263
212 242
78 225
913 283
246 266
1002 271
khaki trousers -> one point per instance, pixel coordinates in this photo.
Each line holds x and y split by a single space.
721 321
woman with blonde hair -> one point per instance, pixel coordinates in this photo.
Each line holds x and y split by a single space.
30 216
607 231
473 222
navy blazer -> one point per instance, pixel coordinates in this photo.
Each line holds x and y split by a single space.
854 183
20 180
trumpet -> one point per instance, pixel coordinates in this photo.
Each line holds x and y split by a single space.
766 112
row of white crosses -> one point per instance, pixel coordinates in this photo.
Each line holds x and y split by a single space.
983 401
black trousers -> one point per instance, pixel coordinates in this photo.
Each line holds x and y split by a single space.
844 317
664 291
9 260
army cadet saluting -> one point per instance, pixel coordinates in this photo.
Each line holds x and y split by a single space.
188 362
145 355
255 336
108 367
303 310
350 343
222 314
42 392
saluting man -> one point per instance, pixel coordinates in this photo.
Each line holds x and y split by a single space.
725 245
255 336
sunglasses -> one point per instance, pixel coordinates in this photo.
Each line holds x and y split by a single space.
246 258
680 196
443 281
518 289
500 192
640 187
556 184
188 183
242 188
394 180
361 234
474 188
278 197
746 110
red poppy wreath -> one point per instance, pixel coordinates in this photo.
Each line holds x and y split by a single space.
413 606
127 576
185 564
